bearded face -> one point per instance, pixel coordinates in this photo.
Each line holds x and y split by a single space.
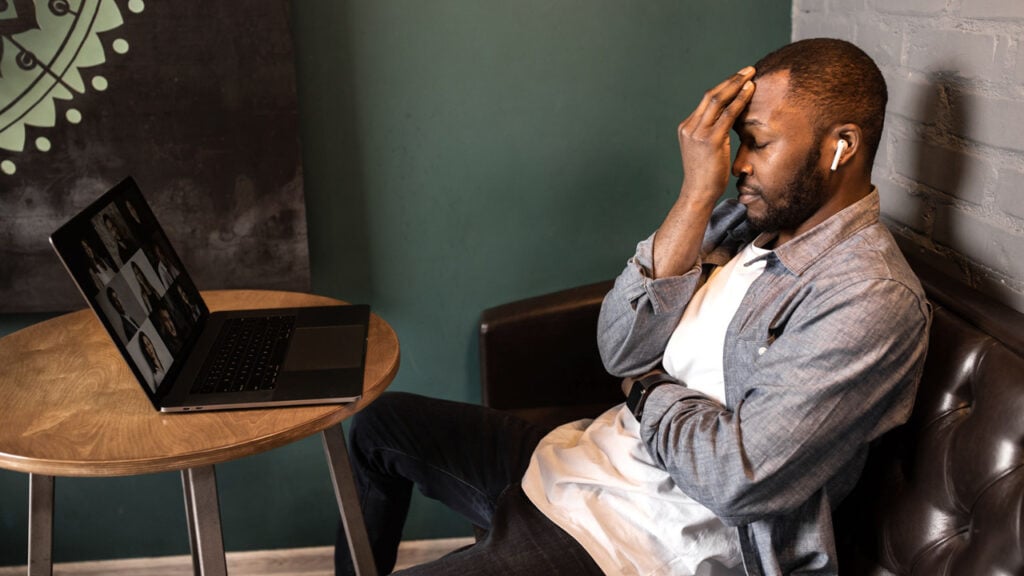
792 203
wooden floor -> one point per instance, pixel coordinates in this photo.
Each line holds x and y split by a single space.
292 562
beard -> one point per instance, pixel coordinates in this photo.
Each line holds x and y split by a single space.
801 197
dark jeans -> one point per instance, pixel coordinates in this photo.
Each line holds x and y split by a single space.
470 458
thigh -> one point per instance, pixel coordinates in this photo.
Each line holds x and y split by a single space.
521 542
464 455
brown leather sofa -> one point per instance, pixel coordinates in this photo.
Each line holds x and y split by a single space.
941 495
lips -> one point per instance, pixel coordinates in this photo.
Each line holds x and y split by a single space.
747 194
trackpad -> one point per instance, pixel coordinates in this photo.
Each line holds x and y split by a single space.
325 348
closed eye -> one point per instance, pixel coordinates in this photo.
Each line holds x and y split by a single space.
754 144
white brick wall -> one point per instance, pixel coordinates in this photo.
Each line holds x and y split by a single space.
951 166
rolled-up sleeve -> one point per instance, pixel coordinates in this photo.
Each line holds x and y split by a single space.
640 312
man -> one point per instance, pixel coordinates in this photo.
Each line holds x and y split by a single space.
168 329
128 326
764 342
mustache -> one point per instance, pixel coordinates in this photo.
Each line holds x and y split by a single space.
744 188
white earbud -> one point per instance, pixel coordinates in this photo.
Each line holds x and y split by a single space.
840 147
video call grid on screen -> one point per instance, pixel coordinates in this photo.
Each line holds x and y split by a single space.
134 279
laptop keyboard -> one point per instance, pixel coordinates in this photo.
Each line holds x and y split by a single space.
247 355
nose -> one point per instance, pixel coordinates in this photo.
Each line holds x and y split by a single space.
740 164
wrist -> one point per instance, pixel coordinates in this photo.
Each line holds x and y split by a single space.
699 197
642 389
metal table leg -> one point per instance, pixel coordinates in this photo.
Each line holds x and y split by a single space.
348 501
40 525
202 510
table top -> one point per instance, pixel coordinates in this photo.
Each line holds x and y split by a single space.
71 406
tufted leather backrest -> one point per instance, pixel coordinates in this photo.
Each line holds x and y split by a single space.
944 494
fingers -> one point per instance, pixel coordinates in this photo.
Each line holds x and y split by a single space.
704 141
723 103
728 117
724 94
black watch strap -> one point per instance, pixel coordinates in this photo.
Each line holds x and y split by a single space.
642 388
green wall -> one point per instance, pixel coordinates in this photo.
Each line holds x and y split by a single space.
458 154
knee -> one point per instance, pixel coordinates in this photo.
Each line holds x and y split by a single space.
383 417
383 410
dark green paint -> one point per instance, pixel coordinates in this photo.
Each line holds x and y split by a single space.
458 154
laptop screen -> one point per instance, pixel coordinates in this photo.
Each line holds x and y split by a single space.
125 267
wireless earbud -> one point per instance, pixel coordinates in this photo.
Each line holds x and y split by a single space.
840 147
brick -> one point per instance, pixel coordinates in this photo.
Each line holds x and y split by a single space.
900 206
953 172
980 240
845 6
882 154
989 119
807 7
913 7
966 54
816 25
883 43
912 97
942 263
1010 192
992 9
1000 290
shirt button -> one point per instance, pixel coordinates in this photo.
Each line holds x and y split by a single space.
762 350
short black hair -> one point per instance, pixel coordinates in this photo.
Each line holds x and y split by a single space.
838 81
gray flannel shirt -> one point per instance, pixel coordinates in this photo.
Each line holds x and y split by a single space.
822 357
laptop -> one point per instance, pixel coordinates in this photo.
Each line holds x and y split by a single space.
185 357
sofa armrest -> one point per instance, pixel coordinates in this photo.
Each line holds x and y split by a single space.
539 357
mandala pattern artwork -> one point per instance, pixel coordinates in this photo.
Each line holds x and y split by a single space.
48 50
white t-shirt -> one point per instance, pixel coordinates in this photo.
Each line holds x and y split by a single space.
596 480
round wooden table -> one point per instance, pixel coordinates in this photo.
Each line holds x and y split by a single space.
73 408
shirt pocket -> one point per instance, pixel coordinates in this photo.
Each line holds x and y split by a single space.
749 349
754 342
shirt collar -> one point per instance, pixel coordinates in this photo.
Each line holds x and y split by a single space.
798 254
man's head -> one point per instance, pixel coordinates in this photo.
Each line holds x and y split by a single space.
115 300
108 223
809 96
166 322
836 83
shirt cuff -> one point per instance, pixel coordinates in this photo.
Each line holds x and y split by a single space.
659 402
667 295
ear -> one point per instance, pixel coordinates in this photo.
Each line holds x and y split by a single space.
850 152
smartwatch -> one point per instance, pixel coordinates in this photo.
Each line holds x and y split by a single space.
642 389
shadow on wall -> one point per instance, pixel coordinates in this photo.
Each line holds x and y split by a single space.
942 173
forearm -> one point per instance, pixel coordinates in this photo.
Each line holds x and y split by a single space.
677 242
704 147
639 314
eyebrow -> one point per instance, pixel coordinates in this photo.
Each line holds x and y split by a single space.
749 123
